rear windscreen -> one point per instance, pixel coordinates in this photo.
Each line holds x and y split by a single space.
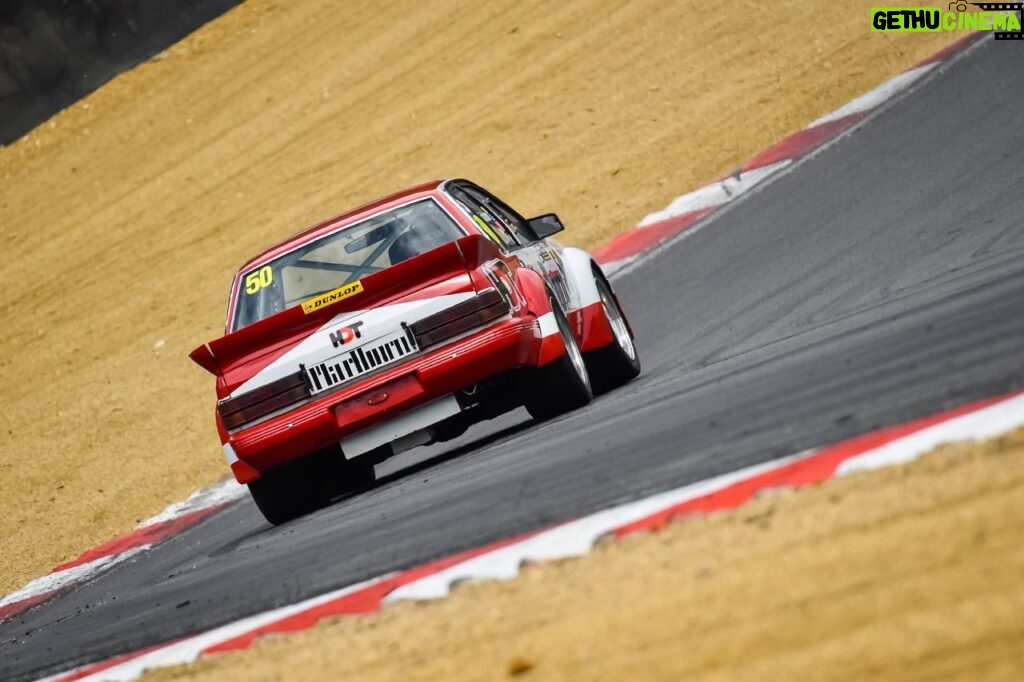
342 258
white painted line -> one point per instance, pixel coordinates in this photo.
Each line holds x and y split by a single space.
188 650
714 195
61 579
871 99
876 97
614 266
219 493
985 423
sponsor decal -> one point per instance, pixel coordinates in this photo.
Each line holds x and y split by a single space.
999 17
327 298
360 360
346 334
258 279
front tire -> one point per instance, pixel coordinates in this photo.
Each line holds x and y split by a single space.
563 385
617 363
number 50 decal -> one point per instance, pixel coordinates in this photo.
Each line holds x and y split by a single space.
258 279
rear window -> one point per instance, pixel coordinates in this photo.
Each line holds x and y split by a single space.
342 258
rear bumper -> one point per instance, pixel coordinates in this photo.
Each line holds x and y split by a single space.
506 345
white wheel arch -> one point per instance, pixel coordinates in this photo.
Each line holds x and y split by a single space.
578 266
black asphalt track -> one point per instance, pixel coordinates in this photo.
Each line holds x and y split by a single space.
878 281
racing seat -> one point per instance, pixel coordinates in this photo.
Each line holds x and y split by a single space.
425 234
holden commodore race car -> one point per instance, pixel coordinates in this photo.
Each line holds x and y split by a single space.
399 324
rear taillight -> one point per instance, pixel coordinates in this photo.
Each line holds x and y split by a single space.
460 318
247 407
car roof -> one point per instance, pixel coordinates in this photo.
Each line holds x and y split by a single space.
332 224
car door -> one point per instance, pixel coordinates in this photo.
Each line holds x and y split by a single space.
513 236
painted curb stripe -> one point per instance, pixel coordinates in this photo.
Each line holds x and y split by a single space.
362 598
173 520
144 535
876 96
99 668
59 580
502 560
802 143
98 559
827 463
625 248
15 607
951 50
715 194
635 242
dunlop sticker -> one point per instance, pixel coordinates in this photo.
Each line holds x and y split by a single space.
324 300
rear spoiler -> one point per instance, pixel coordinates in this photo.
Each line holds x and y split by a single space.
220 355
203 357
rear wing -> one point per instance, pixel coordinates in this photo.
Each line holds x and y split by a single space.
221 355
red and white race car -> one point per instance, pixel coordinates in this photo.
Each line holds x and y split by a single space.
399 324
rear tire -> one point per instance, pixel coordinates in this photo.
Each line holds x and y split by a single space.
563 385
282 496
617 363
303 486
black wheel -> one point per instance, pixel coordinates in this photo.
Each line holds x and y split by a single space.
563 385
617 363
283 495
308 484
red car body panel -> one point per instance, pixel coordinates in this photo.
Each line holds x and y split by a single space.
326 421
465 266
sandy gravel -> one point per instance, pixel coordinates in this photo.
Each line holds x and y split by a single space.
124 217
909 573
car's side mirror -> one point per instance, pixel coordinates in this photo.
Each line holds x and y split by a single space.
546 225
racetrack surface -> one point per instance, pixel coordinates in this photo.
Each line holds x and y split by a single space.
880 280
